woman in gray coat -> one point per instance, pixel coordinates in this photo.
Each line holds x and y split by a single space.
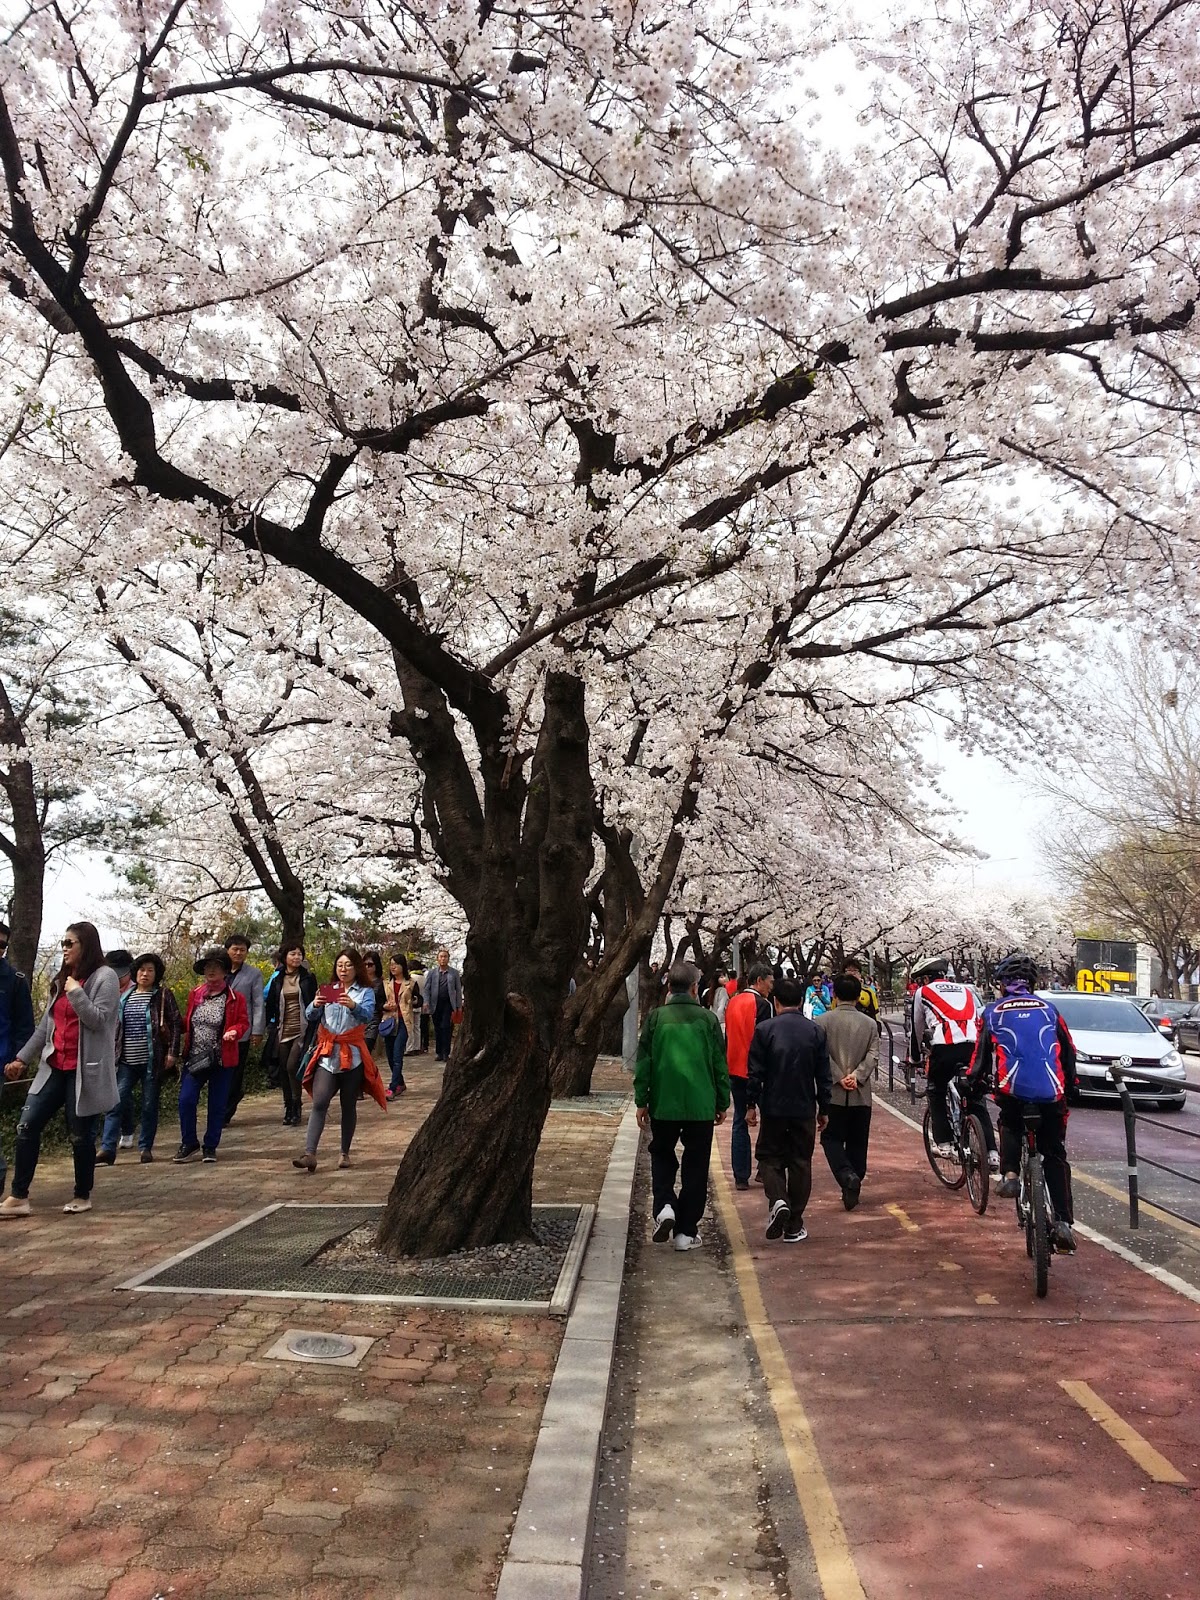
75 1046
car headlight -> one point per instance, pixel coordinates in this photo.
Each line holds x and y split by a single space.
1091 1061
1171 1059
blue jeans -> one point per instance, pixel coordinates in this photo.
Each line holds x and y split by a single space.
56 1094
121 1117
739 1133
190 1086
396 1044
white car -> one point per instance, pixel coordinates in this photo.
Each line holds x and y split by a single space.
1109 1027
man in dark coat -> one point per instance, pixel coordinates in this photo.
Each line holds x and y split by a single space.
790 1086
16 1017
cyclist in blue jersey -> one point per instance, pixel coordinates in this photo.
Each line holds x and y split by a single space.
1025 1053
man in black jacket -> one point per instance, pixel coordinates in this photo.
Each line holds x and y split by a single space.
789 1081
16 1017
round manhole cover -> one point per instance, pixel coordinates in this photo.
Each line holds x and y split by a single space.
321 1346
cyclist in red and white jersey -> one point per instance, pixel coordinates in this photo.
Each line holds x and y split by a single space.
944 1027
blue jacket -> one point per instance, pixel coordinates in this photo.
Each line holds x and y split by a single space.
1025 1043
16 1012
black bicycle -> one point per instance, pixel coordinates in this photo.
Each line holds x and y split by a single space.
1035 1210
969 1163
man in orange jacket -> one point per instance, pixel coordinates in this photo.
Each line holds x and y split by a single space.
742 1015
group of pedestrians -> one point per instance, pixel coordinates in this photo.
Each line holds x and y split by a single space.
112 1032
787 1074
795 1076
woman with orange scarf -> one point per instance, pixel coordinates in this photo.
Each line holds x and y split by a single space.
341 1061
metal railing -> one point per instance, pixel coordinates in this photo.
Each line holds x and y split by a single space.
912 1073
1133 1161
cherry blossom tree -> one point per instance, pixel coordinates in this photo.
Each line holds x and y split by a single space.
559 350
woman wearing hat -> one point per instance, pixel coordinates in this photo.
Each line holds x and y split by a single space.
150 1030
75 1046
215 1019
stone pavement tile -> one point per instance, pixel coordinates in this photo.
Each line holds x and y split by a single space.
172 1456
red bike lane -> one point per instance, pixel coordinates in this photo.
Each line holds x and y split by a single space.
932 1378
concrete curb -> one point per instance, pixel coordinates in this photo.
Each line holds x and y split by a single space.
548 1553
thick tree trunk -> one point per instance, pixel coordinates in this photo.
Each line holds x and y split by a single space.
467 1177
28 863
588 1011
25 847
288 900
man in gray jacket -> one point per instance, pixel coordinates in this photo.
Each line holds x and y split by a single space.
443 997
853 1041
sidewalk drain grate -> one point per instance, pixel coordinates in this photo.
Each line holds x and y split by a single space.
278 1252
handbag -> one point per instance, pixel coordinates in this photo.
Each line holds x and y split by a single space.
456 1016
387 1027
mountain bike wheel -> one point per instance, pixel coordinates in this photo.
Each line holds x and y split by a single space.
977 1164
946 1169
1040 1225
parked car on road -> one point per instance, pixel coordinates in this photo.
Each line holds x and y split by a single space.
1188 1030
1110 1027
1166 1015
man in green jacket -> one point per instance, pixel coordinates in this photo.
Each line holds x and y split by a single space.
681 1090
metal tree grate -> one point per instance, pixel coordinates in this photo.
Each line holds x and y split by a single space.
278 1252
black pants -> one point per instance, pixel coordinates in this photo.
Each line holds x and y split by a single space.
845 1142
946 1061
688 1205
237 1082
290 1051
443 1029
1051 1143
56 1094
784 1151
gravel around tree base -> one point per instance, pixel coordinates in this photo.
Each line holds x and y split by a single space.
540 1258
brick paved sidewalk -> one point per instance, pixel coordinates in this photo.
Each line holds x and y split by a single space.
147 1449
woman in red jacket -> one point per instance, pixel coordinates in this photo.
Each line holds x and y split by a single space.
216 1018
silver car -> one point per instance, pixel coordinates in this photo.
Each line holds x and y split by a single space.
1107 1027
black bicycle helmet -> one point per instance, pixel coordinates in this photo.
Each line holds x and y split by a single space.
1017 967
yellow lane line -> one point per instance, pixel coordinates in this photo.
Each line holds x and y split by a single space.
903 1218
836 1571
1154 1465
1186 1229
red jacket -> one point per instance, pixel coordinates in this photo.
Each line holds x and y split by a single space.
742 1015
236 1016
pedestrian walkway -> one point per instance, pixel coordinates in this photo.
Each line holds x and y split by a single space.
946 1432
148 1448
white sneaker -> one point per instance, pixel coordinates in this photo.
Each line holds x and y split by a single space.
797 1236
993 1161
664 1222
73 1207
781 1216
12 1207
688 1241
946 1151
125 1142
